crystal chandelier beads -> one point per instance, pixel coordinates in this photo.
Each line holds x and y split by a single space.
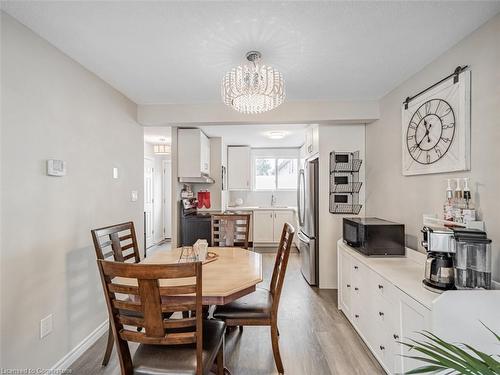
253 88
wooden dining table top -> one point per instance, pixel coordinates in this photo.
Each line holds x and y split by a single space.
233 274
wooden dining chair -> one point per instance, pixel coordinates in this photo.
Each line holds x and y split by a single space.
167 346
230 230
261 307
117 242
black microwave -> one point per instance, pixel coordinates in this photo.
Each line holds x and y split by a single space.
374 236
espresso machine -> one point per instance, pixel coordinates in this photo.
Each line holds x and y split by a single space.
457 258
439 271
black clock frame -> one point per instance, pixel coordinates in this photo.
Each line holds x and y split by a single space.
452 137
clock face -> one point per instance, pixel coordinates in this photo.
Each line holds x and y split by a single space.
430 131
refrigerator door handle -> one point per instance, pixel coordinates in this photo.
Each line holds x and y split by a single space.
301 197
303 238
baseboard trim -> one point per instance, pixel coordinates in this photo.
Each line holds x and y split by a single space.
65 362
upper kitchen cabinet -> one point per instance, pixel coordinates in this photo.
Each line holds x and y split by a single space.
238 168
311 145
193 153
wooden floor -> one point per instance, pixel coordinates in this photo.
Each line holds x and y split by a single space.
316 339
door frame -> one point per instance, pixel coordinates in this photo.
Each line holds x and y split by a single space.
152 203
166 195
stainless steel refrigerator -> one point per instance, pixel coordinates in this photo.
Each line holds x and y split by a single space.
307 205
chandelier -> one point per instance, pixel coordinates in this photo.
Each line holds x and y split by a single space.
253 88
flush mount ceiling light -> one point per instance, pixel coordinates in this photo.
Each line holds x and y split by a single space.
276 134
253 88
161 149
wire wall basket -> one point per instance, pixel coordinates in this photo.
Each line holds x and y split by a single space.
344 182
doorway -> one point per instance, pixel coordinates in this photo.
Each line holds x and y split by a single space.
157 186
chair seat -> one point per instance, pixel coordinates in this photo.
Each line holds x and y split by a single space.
256 305
180 359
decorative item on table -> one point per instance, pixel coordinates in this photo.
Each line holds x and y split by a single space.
201 248
238 202
187 191
436 127
188 255
204 199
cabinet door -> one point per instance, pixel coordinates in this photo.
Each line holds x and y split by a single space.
238 168
263 225
280 218
345 283
189 152
414 318
205 153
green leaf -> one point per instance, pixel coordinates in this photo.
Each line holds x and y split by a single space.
461 355
444 353
489 361
497 336
425 369
444 361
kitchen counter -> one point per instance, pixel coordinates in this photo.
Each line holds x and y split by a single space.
259 208
406 273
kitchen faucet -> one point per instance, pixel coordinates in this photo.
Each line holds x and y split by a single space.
273 200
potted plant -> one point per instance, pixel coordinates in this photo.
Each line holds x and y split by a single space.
447 358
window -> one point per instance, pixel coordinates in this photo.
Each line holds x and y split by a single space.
273 174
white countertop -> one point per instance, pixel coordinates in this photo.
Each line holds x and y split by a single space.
260 208
406 273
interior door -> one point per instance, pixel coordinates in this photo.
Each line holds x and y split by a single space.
167 199
149 200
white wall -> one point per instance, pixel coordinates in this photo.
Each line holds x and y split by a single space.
405 199
334 138
53 108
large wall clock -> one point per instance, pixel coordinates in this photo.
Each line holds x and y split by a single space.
436 129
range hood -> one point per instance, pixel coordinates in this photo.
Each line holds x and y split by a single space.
203 179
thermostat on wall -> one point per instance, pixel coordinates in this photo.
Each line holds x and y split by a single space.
56 168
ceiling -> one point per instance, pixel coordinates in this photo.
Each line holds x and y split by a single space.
256 135
177 52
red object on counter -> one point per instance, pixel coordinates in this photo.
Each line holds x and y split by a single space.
204 199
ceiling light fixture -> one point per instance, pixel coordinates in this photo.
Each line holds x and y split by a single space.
161 149
253 88
276 135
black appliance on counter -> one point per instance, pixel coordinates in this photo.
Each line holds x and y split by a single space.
374 236
194 225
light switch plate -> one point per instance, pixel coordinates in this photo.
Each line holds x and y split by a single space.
46 325
134 195
115 173
56 168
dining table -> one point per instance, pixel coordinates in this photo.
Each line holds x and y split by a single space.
228 274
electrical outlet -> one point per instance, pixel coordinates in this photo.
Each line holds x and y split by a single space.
46 325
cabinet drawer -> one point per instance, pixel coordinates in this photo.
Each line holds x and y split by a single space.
382 288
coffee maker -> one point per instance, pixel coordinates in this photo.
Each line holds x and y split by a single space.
457 258
439 271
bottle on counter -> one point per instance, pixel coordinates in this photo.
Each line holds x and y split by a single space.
468 211
448 204
458 202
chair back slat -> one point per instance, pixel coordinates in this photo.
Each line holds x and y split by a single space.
149 301
281 263
117 242
230 230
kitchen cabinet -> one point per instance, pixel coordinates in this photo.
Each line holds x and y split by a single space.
263 226
312 140
193 153
268 224
238 168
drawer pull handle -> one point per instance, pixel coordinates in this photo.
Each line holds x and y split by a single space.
381 313
348 285
356 316
380 286
382 347
395 336
355 267
356 288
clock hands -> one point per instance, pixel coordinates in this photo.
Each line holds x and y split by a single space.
427 133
